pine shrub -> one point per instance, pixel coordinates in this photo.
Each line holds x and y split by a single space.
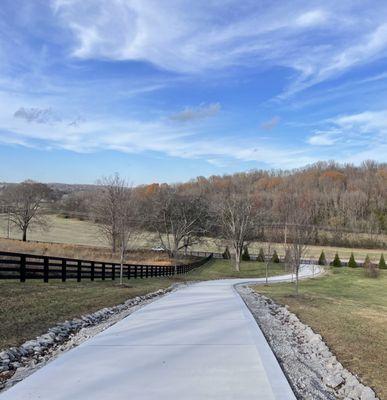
382 262
336 261
275 258
352 263
226 254
261 255
322 260
245 254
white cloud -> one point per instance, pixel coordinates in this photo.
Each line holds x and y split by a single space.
312 18
322 139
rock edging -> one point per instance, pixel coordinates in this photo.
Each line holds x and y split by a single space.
34 353
311 368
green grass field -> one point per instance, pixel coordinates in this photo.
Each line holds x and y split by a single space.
350 312
29 309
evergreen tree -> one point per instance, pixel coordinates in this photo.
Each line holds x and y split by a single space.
352 263
246 255
261 255
336 261
275 258
226 254
322 260
382 262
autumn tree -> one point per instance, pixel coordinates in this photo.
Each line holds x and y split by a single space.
25 204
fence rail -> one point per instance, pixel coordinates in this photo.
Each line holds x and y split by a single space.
23 266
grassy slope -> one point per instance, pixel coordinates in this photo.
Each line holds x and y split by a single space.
29 309
85 233
350 312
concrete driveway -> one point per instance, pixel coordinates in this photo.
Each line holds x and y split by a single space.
200 342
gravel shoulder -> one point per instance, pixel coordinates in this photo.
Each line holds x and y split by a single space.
312 370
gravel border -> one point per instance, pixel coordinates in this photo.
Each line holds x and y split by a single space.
16 363
312 370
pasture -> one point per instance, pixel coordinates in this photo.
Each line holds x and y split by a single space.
68 231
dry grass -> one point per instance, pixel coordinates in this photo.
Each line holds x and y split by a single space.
73 231
350 312
83 252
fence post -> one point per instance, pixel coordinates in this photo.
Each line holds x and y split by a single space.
135 272
22 268
92 269
103 271
146 271
142 271
64 270
79 271
113 272
45 269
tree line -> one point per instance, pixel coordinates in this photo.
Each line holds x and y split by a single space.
299 207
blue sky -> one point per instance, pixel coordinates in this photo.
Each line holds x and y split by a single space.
169 90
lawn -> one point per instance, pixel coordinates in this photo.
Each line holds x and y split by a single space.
350 312
29 309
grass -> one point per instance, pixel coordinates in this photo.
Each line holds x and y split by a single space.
350 312
73 231
29 309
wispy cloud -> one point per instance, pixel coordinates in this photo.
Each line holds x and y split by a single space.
196 113
193 39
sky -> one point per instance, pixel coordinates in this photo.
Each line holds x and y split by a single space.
164 91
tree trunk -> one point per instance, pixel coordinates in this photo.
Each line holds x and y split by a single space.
25 234
114 246
297 269
237 260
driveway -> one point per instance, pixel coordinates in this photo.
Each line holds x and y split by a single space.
200 342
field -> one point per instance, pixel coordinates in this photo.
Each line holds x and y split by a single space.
73 231
29 309
350 312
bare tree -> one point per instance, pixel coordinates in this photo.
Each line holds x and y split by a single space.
25 202
126 224
300 232
177 217
235 216
107 207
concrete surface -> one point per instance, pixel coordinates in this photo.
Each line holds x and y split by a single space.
200 342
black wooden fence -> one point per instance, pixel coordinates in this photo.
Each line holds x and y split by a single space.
30 266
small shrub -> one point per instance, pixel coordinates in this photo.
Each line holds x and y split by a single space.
322 260
382 262
261 255
352 263
245 254
336 261
275 258
371 270
226 254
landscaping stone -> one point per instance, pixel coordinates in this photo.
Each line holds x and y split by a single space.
313 371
